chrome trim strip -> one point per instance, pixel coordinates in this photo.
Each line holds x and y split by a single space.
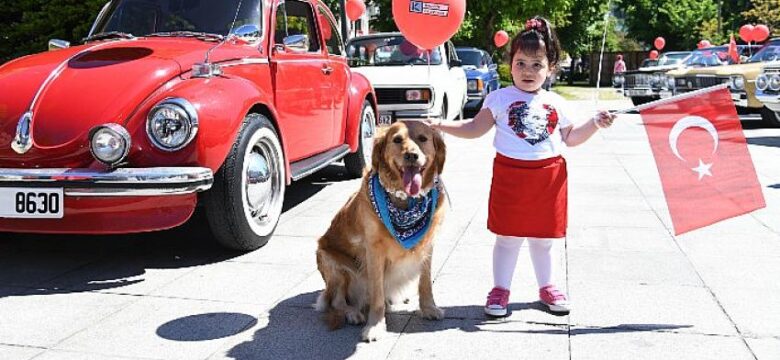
160 181
245 62
302 169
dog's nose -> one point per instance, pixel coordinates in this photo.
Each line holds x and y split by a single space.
411 157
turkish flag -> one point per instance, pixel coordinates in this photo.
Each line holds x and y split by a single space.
733 53
701 154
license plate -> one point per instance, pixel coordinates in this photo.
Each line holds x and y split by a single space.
385 119
40 203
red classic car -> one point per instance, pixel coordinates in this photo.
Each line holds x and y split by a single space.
166 99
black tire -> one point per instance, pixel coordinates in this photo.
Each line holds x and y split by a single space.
770 118
243 212
358 161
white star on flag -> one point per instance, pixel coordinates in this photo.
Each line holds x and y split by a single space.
703 169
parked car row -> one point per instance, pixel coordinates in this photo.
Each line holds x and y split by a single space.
713 66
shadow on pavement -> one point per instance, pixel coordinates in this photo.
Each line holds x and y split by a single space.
36 264
205 327
295 330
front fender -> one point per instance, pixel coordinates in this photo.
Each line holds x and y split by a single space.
360 89
221 102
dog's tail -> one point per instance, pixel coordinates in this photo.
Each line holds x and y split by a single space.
334 318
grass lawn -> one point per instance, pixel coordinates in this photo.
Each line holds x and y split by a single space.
587 93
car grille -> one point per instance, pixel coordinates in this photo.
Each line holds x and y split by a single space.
698 82
388 96
637 80
769 71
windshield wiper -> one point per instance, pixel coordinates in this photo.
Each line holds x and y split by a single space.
197 35
108 35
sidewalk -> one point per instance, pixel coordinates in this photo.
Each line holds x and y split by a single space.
638 291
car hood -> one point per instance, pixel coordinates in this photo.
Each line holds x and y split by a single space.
653 69
74 89
401 75
749 68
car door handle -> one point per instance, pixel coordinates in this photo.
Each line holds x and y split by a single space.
327 70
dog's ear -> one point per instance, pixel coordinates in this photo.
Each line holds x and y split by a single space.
378 153
441 151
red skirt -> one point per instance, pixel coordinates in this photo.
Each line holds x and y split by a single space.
528 198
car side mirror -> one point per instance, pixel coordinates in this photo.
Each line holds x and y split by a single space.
247 32
56 44
492 67
456 62
294 43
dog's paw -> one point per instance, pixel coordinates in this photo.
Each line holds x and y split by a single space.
431 313
355 317
372 333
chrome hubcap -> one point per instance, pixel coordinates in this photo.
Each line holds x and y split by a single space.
367 136
263 184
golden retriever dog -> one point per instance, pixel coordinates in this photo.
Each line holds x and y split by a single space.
361 262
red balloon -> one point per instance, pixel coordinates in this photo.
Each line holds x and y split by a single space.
746 32
760 33
500 38
355 9
428 24
659 43
654 55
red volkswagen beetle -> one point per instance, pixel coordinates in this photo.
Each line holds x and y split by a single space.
166 99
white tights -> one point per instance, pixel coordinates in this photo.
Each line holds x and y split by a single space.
505 258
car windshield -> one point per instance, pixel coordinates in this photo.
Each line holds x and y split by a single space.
144 17
672 59
471 57
713 56
770 52
648 62
388 51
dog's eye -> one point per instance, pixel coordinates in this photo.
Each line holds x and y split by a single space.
397 139
422 138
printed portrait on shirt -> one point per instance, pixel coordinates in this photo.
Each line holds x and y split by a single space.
533 123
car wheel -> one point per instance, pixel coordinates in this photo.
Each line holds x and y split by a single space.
770 118
356 162
244 204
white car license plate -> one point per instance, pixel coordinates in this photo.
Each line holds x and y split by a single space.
385 119
42 203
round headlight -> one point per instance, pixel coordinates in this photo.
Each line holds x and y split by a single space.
739 82
774 83
472 85
172 124
762 82
109 143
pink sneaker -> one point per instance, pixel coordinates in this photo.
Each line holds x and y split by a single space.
497 301
554 299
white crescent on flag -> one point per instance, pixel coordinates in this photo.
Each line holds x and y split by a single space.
692 122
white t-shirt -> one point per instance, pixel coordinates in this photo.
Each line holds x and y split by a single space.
528 126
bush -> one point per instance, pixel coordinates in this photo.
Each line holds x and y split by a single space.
505 73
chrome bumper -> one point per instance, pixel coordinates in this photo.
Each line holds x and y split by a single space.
740 98
159 181
772 101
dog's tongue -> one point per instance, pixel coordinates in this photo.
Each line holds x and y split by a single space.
412 180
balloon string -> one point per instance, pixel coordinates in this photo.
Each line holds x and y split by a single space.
428 56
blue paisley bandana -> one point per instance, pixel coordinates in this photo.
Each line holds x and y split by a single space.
407 226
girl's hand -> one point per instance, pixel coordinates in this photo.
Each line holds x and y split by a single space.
604 119
432 122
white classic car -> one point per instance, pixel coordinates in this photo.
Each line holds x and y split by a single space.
406 86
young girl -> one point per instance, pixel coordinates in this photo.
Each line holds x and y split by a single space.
529 188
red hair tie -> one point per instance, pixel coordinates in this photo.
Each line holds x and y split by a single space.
534 24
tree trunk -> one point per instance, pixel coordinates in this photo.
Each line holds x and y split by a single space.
489 44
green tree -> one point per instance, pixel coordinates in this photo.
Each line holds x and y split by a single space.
28 25
764 12
678 21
